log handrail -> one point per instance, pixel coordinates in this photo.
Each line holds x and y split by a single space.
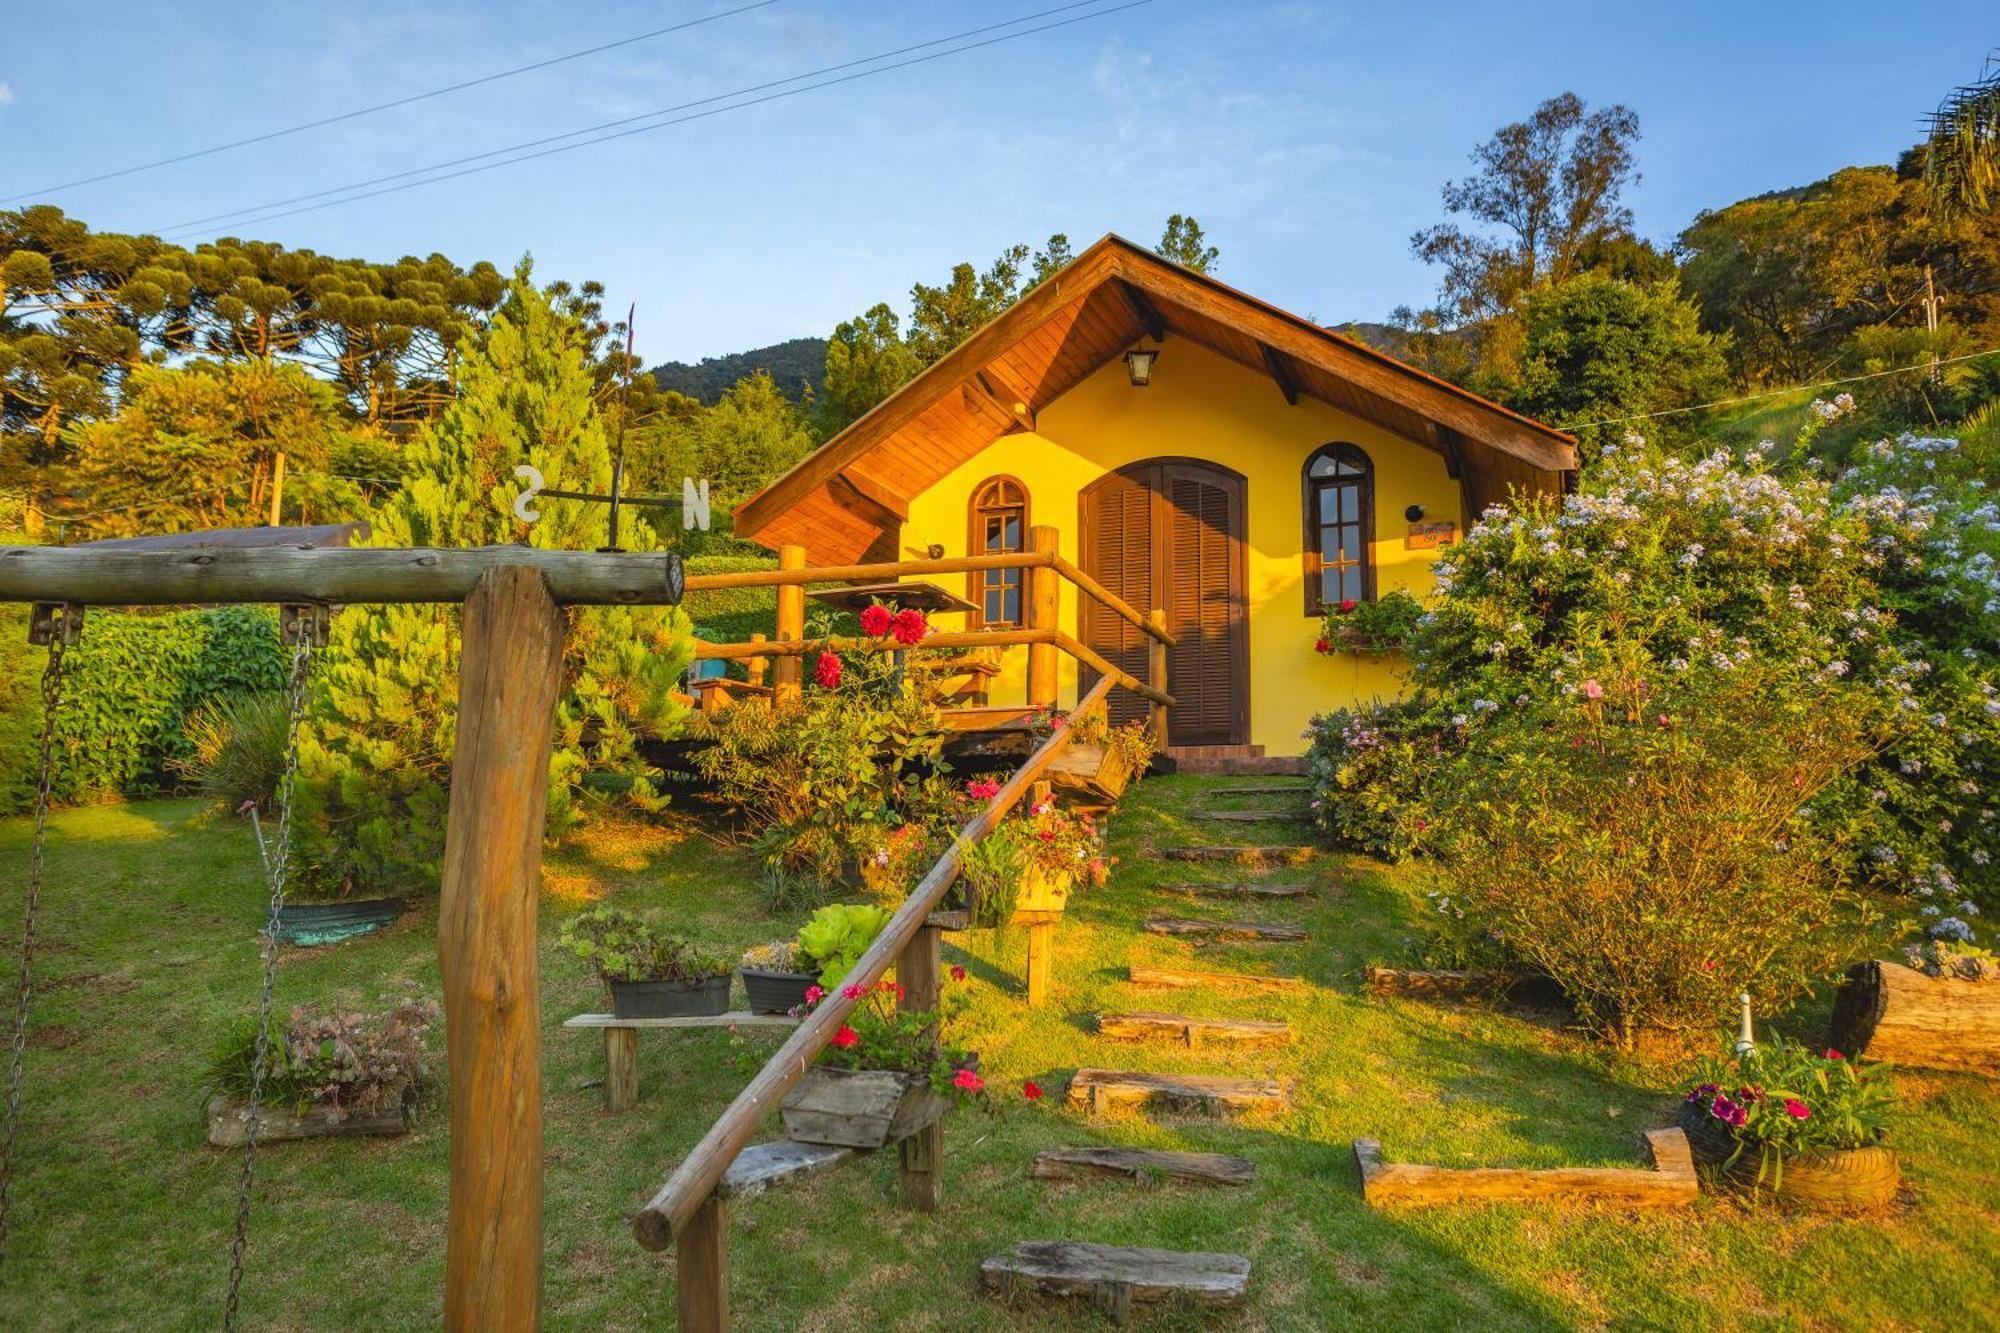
1112 602
695 1179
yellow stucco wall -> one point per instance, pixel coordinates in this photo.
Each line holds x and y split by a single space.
1202 405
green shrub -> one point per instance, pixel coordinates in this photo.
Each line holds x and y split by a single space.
623 946
732 615
238 749
1367 768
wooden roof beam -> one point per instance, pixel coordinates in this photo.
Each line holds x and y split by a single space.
867 500
1012 403
1274 363
1144 311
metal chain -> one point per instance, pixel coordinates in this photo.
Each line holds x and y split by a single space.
52 676
275 869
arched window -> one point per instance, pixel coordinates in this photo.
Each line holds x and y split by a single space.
1340 527
999 525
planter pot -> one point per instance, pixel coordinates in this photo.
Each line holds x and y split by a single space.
859 1108
776 992
1849 1180
670 999
1043 893
229 1122
308 924
1097 769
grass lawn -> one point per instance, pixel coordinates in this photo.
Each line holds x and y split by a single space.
122 1214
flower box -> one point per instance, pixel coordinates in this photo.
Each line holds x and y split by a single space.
670 999
229 1121
859 1108
1847 1180
774 992
1042 893
1100 770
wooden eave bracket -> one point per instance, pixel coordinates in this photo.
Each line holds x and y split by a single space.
868 500
1003 397
1281 372
1144 311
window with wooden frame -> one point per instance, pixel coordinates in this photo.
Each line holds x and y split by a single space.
1339 527
998 526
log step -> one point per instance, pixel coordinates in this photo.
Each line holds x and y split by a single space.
1222 930
1144 1165
1117 1277
1254 816
1236 890
1275 855
1672 1184
1146 1025
763 1165
1182 977
1108 1089
1261 789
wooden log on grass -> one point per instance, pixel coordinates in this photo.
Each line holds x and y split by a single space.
1180 978
1672 1184
1144 1165
1887 1011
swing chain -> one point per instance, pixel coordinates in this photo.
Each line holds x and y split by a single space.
303 639
57 624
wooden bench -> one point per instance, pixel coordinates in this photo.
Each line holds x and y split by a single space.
621 1044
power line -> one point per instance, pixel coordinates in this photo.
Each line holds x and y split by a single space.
359 112
243 216
1779 393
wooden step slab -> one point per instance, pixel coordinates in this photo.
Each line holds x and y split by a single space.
1254 816
1672 1184
1108 1089
1222 930
1144 1165
1260 789
763 1165
1274 855
1236 890
1179 978
1148 1026
1117 1277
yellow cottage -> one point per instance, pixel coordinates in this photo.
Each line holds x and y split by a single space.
1197 450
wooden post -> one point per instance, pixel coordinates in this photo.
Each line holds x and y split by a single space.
510 673
1041 929
1156 675
277 486
791 625
918 1178
621 1069
701 1269
1043 613
753 667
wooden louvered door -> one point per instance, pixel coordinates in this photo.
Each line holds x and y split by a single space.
1169 533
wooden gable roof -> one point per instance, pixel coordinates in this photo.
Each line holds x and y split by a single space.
840 501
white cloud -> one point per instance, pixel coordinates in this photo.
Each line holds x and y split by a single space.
6 95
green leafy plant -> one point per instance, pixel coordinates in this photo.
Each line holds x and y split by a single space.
1372 628
339 1060
623 946
836 936
1782 1100
238 749
994 869
1367 768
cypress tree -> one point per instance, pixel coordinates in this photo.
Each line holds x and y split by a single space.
375 756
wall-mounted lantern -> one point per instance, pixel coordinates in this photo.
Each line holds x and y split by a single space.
1139 365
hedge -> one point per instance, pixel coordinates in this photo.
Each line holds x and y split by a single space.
130 684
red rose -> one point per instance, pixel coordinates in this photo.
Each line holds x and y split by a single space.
827 673
910 626
1323 646
1032 1090
875 621
846 1037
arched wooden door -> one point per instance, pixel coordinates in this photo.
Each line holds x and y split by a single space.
1169 532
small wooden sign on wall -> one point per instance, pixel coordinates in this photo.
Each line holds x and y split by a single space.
1430 536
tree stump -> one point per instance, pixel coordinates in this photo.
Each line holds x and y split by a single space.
1890 1012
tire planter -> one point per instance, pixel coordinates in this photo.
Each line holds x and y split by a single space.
670 999
776 992
229 1122
859 1108
1850 1180
310 924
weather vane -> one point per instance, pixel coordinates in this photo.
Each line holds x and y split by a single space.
692 501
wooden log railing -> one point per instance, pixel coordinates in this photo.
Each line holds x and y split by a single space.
670 1217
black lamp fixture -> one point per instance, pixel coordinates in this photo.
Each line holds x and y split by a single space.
1139 365
1414 514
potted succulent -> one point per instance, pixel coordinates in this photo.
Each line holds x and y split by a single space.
326 1074
833 939
776 977
650 974
883 1077
1806 1126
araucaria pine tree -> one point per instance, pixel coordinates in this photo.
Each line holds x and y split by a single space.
375 756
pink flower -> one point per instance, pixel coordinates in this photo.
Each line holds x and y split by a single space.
983 790
846 1037
1032 1090
967 1081
814 994
875 621
1592 690
827 673
852 992
1796 1109
1728 1112
247 806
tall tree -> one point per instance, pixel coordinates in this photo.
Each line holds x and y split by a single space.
376 754
866 361
1962 154
1183 243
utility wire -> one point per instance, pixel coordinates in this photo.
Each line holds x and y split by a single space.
264 215
359 112
1779 393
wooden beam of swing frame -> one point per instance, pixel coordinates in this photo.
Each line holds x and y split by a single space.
694 1181
212 575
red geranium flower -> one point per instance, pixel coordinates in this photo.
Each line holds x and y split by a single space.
846 1037
1032 1090
910 626
967 1081
957 972
875 621
1323 647
853 992
827 673
1832 1054
1349 604
983 790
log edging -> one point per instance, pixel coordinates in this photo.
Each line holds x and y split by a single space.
1671 1184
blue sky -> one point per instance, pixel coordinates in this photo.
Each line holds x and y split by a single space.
1310 139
